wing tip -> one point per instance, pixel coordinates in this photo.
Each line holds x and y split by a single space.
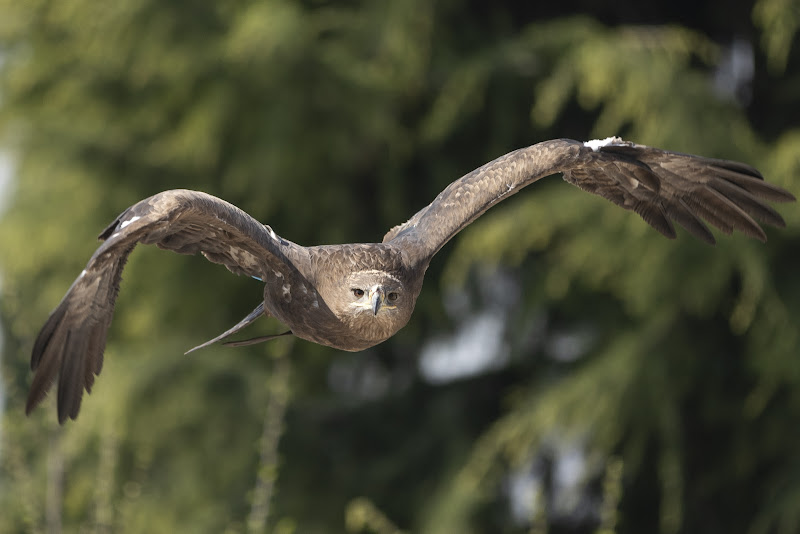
35 397
69 348
706 237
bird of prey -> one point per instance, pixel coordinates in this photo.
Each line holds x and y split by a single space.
354 296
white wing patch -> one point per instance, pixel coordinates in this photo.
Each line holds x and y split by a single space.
597 144
123 224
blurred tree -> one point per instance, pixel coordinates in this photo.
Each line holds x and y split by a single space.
639 385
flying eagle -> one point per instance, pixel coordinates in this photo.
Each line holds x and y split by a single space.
354 296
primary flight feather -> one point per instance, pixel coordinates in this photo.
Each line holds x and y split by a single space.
354 296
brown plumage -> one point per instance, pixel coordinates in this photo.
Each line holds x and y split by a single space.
354 296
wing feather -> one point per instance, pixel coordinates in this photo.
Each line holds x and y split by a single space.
470 196
658 185
69 348
682 214
749 203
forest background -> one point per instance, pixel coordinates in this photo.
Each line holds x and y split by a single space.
567 369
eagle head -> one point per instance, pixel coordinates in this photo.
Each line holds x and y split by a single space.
374 304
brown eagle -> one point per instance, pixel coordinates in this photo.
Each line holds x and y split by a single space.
354 296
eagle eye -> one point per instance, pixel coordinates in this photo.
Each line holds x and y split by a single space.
358 293
393 296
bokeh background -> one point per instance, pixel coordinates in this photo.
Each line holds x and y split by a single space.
567 370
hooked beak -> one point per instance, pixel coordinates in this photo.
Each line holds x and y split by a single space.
376 298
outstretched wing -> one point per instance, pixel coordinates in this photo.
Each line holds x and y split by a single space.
70 345
660 186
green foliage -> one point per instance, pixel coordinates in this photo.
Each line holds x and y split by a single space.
332 122
779 21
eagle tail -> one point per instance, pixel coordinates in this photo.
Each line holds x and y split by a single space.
252 316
